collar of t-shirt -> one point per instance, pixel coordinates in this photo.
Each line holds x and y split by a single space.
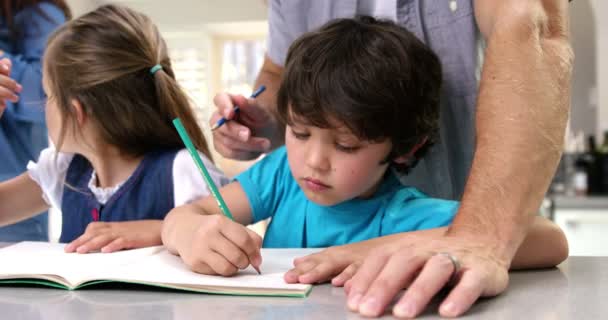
390 184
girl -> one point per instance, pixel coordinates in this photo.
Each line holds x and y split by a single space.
117 165
351 114
25 26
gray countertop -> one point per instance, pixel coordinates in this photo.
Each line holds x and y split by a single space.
578 289
584 203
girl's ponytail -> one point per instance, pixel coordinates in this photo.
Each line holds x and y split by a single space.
104 60
175 104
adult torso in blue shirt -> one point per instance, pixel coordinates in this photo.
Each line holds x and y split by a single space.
23 131
22 127
300 223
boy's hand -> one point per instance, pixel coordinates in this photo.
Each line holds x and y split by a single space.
217 245
337 264
114 236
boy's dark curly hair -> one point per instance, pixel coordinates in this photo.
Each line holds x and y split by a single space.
372 76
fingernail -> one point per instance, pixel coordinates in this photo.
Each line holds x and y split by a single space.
257 260
369 307
404 310
266 145
5 67
353 301
18 88
448 309
244 135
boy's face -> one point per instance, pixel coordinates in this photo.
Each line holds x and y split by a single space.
332 165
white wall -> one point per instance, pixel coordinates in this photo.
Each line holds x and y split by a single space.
601 10
583 29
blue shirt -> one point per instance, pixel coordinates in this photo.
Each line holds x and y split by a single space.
300 223
22 129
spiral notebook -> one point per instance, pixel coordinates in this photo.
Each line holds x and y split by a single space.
47 264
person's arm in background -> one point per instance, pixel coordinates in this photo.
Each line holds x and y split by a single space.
256 129
522 110
35 24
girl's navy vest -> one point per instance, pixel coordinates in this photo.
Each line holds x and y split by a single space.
147 194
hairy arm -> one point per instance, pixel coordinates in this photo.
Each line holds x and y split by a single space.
522 110
270 76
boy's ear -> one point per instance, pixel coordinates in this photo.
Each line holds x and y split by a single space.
81 115
402 159
410 155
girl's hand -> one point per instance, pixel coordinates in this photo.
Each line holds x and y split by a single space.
9 88
114 236
216 245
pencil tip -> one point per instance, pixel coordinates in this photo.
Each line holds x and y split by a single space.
258 270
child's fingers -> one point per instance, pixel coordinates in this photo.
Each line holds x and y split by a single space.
220 265
95 243
347 285
301 267
71 247
116 245
230 252
256 261
347 274
241 238
320 273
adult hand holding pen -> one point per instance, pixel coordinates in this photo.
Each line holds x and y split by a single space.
249 132
9 88
254 130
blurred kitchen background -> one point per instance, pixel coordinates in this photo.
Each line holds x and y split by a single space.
218 45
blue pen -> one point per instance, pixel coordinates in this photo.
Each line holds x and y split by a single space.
223 120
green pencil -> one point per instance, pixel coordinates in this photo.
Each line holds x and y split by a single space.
201 167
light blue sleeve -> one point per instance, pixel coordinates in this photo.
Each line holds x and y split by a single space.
35 24
266 184
411 210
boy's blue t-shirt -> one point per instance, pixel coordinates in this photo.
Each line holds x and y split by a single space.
300 223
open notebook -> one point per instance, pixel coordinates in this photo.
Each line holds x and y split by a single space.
46 264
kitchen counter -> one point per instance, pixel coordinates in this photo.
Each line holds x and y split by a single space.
589 202
575 290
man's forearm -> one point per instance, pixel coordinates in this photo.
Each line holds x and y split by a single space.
522 111
270 76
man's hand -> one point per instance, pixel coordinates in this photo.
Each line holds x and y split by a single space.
254 129
415 264
249 132
9 88
114 236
